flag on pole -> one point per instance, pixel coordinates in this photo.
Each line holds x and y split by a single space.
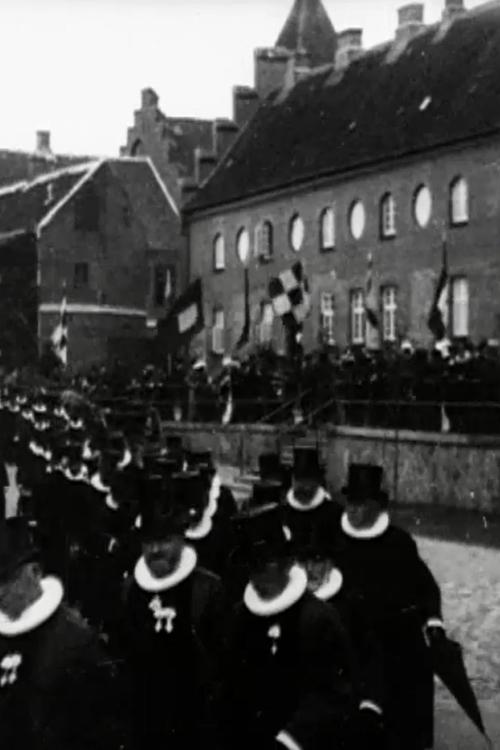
290 298
245 334
371 310
184 320
60 334
438 314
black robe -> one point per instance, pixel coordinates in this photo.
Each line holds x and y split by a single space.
60 696
312 532
398 595
304 688
174 670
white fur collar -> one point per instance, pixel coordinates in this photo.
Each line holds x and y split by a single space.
331 586
14 409
111 502
80 477
147 582
126 460
213 495
319 498
379 527
202 530
37 613
28 415
294 590
78 425
96 482
40 409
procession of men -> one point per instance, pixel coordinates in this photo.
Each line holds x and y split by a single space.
141 605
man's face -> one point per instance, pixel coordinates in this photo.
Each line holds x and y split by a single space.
270 578
363 515
305 489
163 557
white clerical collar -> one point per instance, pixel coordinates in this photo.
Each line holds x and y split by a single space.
78 425
213 495
126 460
319 498
202 530
330 586
97 483
80 477
147 582
377 529
37 613
293 591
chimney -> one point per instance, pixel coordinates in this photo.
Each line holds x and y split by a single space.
149 98
349 47
204 164
43 143
245 104
224 135
410 21
452 9
273 70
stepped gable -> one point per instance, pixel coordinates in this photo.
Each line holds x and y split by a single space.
439 88
309 29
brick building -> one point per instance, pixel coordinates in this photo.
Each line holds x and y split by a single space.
108 237
380 152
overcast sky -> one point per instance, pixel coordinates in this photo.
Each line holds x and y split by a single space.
76 67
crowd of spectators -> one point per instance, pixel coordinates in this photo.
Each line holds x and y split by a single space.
452 388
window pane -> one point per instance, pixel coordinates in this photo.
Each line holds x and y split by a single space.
388 217
460 307
328 229
459 201
219 253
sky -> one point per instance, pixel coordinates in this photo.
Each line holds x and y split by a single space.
77 67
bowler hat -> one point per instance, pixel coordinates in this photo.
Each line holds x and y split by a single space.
16 546
364 482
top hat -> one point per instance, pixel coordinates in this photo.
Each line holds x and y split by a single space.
364 482
16 546
270 467
189 495
306 464
261 534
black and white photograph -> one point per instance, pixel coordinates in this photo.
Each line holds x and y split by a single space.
250 375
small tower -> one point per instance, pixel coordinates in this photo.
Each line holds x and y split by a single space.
309 31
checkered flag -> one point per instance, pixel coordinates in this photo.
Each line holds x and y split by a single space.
290 298
60 334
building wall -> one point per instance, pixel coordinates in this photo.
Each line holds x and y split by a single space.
411 261
117 273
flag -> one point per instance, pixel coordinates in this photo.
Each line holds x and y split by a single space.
371 310
60 334
290 298
184 320
245 334
438 314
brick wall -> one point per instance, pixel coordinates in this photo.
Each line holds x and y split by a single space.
411 260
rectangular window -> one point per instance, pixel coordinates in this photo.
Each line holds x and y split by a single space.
327 317
163 284
357 317
218 331
81 276
389 313
460 307
266 324
327 229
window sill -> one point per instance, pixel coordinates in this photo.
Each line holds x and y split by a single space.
264 260
459 223
219 270
327 249
386 237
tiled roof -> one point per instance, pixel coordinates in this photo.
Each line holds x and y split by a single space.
309 28
442 87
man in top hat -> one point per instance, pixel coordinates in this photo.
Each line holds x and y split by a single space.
401 600
309 512
52 675
290 681
222 505
174 618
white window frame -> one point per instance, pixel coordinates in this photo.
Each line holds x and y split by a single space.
459 201
327 317
266 323
358 316
460 298
264 239
219 252
389 312
327 229
218 331
388 216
